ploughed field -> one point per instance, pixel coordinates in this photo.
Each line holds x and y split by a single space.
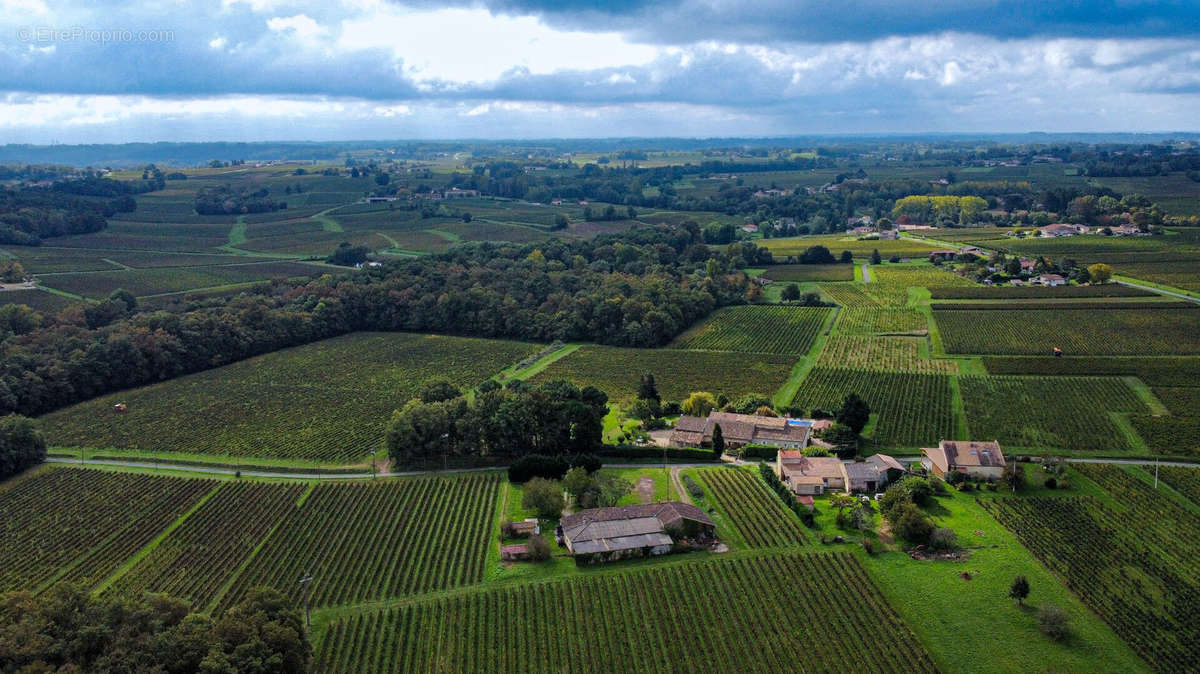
327 401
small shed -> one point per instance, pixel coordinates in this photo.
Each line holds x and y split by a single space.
514 553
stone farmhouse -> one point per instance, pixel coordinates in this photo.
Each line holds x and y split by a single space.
610 534
744 429
979 460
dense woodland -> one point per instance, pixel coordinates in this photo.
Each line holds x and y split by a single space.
635 289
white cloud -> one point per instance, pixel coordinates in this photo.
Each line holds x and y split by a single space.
301 25
217 42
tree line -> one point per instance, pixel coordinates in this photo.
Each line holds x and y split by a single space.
639 288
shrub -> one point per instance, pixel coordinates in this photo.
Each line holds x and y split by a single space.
918 490
538 548
537 465
1051 482
1052 621
943 539
545 497
691 486
21 445
912 525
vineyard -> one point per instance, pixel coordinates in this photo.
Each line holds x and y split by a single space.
195 560
80 525
756 512
1134 564
799 273
1186 481
908 248
327 401
1101 332
38 300
1051 412
978 292
912 410
1169 435
882 354
616 371
1162 371
97 285
911 277
370 541
872 295
666 619
874 321
761 329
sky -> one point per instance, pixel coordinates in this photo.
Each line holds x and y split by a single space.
81 71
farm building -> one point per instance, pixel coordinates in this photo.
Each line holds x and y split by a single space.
742 429
809 475
610 534
945 255
980 460
514 553
889 235
862 477
1051 280
1062 229
524 528
889 468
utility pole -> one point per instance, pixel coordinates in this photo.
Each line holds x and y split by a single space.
306 581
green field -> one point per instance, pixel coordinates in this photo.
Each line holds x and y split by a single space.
911 410
1100 332
665 619
789 273
882 354
1159 371
760 518
38 300
905 248
328 401
756 329
1050 412
616 371
1034 292
97 285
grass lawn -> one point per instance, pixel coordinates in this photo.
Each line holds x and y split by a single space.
972 625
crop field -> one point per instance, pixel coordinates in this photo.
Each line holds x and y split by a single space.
756 329
327 401
754 510
122 235
1060 305
1169 434
882 354
376 540
1186 481
912 277
617 371
665 619
1051 412
878 321
912 410
482 230
1155 371
1100 332
97 285
788 273
867 295
905 248
79 525
978 292
1184 401
38 300
195 560
1133 563
52 259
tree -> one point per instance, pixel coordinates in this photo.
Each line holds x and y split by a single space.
791 293
875 257
538 548
847 257
21 445
1052 621
893 498
560 221
942 538
545 497
718 441
855 413
605 491
1013 268
1099 273
576 481
911 524
647 388
814 451
699 404
1013 476
1019 589
124 296
844 440
438 391
919 490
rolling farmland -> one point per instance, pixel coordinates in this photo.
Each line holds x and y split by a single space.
194 561
755 511
751 329
327 401
140 282
1099 332
873 321
82 524
616 371
798 273
881 354
664 619
908 248
1052 412
1161 371
913 410
376 540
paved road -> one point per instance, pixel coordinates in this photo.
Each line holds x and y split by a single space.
866 273
1160 291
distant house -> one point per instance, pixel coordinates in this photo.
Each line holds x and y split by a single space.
809 475
889 468
610 534
1052 280
982 460
862 477
1126 230
972 250
1063 229
889 235
768 194
742 429
455 193
862 230
945 255
750 228
1027 265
